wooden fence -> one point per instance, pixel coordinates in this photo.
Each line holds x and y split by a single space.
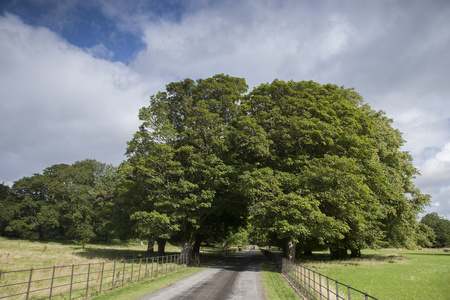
85 280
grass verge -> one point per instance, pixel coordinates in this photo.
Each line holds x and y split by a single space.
274 285
140 289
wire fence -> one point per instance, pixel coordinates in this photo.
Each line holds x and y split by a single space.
86 280
318 286
315 285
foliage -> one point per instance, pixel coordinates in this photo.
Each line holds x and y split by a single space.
325 169
440 236
7 204
65 201
294 163
180 158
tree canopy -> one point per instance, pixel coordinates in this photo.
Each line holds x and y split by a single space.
74 202
310 164
303 165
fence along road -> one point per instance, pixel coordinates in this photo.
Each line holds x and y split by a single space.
234 277
84 280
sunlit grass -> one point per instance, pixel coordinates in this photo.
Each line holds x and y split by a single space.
391 273
274 285
19 254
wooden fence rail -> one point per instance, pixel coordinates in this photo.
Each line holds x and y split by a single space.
85 280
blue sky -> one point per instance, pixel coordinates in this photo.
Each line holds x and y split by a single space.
73 74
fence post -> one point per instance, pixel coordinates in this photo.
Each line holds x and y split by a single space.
71 283
87 279
101 277
123 273
309 281
349 293
29 283
146 268
366 296
157 264
314 283
151 272
320 286
167 262
132 267
139 273
51 284
337 289
114 273
328 287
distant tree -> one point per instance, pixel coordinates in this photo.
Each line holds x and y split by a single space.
154 225
36 210
441 228
426 236
69 201
7 207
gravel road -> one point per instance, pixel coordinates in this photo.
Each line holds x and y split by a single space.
234 277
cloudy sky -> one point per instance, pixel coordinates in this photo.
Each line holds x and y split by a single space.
73 74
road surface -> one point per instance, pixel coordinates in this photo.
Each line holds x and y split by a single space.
234 277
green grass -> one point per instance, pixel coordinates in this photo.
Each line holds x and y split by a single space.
274 285
20 254
140 289
392 274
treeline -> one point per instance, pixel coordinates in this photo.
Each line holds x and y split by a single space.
75 202
438 230
299 165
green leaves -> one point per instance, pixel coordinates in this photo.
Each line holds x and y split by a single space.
180 156
307 162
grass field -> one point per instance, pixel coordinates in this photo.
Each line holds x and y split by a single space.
25 254
391 273
385 274
18 254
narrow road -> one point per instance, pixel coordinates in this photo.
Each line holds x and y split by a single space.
234 277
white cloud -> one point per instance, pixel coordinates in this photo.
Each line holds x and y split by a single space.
59 97
257 42
436 170
59 104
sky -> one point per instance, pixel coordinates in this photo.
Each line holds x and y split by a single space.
73 74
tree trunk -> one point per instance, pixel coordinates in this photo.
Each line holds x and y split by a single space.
187 242
196 248
338 253
289 250
161 246
151 245
355 253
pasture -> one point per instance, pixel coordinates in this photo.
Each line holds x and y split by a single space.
391 273
385 274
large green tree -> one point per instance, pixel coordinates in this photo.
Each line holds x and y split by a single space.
179 159
318 167
325 169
